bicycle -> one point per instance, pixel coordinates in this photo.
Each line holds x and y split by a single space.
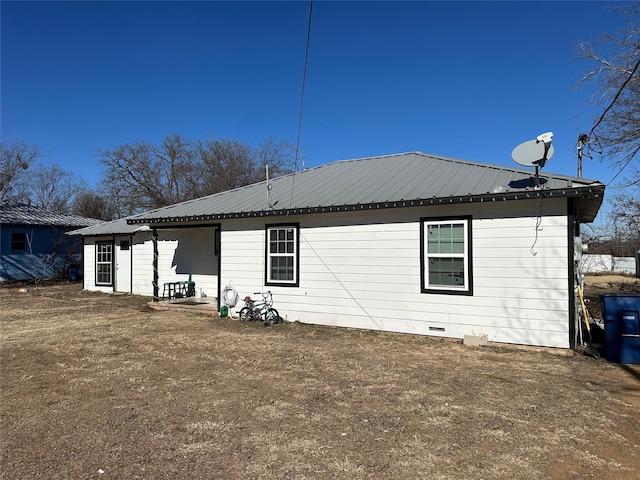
260 310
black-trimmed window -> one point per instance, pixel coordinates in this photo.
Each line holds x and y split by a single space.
282 255
18 242
445 255
104 263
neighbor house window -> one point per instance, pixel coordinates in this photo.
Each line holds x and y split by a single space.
104 263
282 255
18 242
446 256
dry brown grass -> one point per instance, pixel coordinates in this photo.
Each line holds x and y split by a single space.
595 285
92 381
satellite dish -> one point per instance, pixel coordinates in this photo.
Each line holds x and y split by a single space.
533 153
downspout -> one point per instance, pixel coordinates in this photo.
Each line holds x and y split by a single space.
114 264
82 263
573 230
131 263
217 238
154 236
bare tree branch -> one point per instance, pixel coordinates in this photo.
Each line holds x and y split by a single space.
617 75
15 159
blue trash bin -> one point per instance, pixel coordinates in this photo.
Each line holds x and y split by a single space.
621 315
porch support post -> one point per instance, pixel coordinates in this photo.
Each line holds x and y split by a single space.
154 236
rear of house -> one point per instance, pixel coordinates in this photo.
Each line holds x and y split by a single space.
407 243
443 271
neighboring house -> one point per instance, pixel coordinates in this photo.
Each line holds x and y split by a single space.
33 244
409 243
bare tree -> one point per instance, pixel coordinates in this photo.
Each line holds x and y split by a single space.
142 175
94 205
15 159
231 164
617 75
279 155
228 164
179 166
131 175
626 219
53 188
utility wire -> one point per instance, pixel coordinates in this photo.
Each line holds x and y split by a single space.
623 166
304 81
635 68
615 98
606 110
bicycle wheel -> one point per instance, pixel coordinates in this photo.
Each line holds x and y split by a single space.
245 314
277 317
271 317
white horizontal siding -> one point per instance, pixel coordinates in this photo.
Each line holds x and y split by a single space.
89 267
180 253
188 252
142 264
243 254
363 271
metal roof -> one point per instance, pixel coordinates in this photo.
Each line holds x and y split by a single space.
113 227
21 214
401 180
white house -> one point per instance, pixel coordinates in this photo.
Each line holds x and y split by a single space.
410 243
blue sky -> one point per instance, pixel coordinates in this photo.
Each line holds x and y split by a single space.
468 80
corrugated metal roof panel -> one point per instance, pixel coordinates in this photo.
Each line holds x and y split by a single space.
375 180
113 227
21 214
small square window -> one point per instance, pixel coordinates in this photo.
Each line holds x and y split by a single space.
18 242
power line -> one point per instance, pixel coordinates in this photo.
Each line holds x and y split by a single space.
304 81
624 166
615 98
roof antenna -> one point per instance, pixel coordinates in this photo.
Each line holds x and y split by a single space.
269 203
583 139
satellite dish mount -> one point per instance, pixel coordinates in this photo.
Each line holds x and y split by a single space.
534 153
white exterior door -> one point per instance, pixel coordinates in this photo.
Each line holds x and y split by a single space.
123 264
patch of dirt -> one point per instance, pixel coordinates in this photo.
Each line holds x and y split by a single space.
97 383
596 285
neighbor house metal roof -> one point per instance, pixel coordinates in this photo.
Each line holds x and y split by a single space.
401 180
21 214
